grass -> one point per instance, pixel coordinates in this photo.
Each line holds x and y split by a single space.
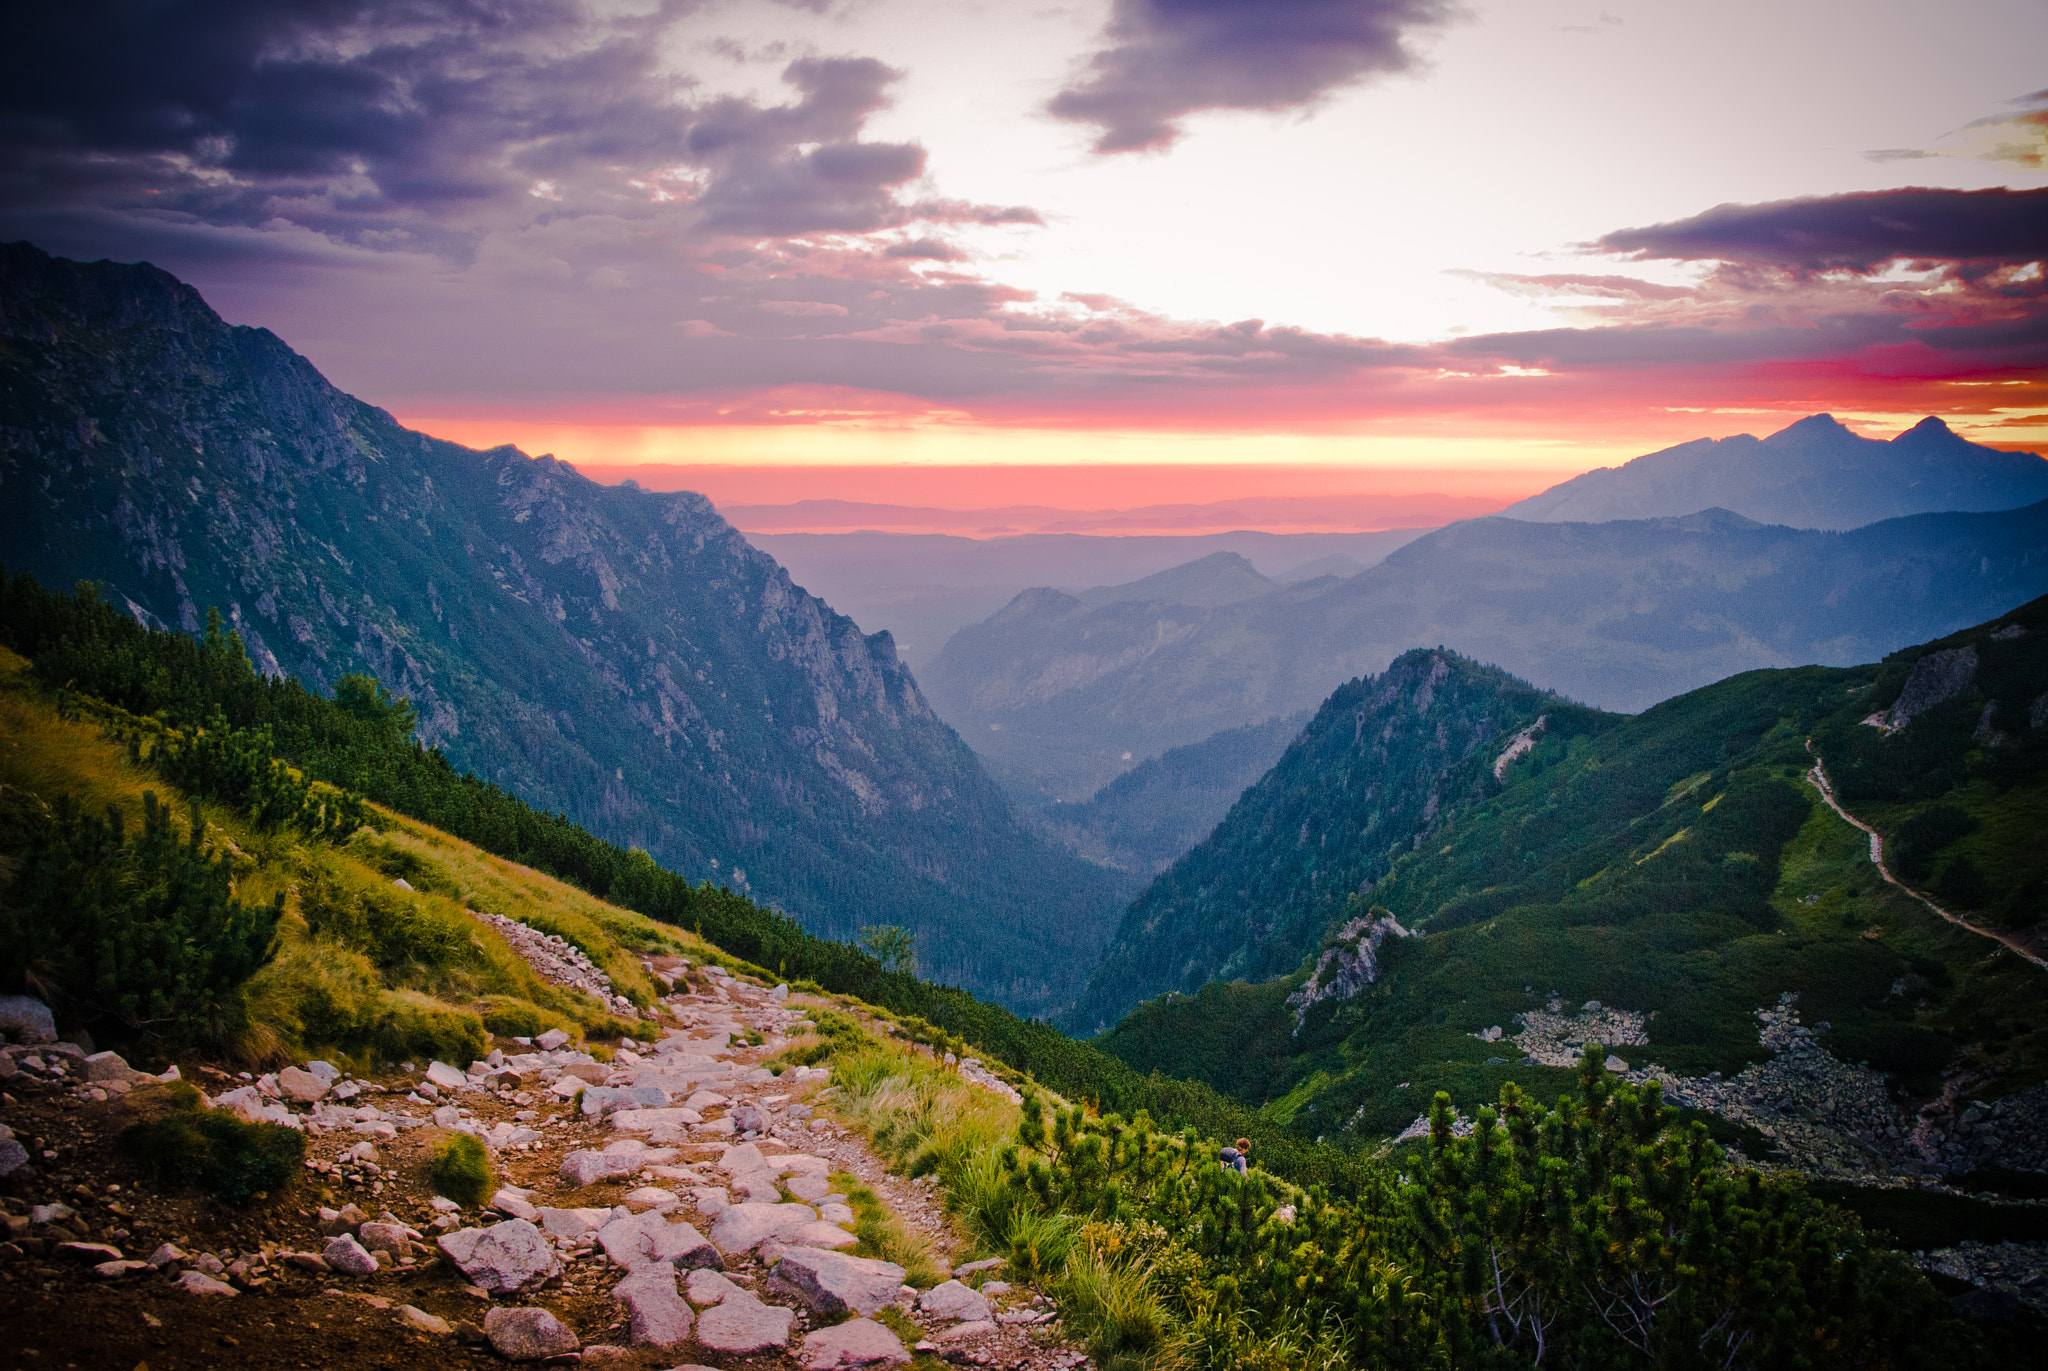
214 1149
882 1235
360 970
461 1170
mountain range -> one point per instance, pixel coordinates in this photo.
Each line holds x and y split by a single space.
1062 696
622 656
1814 474
1461 882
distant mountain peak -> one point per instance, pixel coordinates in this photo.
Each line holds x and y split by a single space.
1815 473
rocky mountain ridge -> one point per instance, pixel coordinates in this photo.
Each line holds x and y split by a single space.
622 656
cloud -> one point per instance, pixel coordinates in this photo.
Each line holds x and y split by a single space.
429 125
2020 138
1858 232
1166 59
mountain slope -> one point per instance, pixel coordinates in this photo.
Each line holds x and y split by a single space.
623 656
1221 578
1675 887
1387 761
1618 615
1814 474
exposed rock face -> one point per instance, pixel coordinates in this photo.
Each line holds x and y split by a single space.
655 1314
1936 678
695 702
1348 967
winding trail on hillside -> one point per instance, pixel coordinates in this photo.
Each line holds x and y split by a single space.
1819 777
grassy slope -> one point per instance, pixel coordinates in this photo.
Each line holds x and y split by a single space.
362 969
1610 868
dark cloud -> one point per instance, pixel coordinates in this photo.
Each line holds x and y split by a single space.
426 125
1856 232
1169 58
925 250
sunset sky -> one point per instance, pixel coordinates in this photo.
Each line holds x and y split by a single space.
1087 254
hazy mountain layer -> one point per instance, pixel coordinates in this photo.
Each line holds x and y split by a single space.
924 587
1158 810
619 655
1815 474
1054 693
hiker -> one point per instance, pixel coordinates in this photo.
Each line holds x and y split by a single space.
1238 1158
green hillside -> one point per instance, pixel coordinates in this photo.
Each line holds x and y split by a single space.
1680 866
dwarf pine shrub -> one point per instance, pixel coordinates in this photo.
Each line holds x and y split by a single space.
214 1149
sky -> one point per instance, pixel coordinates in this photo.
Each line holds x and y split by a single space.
1091 254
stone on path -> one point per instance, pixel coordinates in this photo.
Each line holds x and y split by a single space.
744 1227
94 1252
857 1342
809 1188
385 1237
346 1255
705 1287
423 1321
199 1283
585 1166
115 1270
13 1157
506 1256
652 1197
527 1334
742 1325
574 1223
645 1239
833 1283
953 1300
514 1204
656 1316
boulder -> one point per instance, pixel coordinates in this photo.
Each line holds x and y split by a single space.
326 1071
756 1187
802 1164
302 1086
13 1157
656 1316
112 1066
199 1283
954 1300
445 1076
385 1237
586 1166
832 1283
743 1227
965 1332
346 1255
27 1020
506 1256
420 1319
652 1197
528 1334
705 1287
599 1100
335 1222
857 1342
169 1254
749 1117
823 1234
647 1239
711 1200
573 1223
94 1252
552 1040
510 1202
741 1325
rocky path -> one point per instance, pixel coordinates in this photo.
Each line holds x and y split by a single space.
1819 777
680 1205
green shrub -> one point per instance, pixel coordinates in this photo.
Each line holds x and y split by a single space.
462 1170
145 931
230 1158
